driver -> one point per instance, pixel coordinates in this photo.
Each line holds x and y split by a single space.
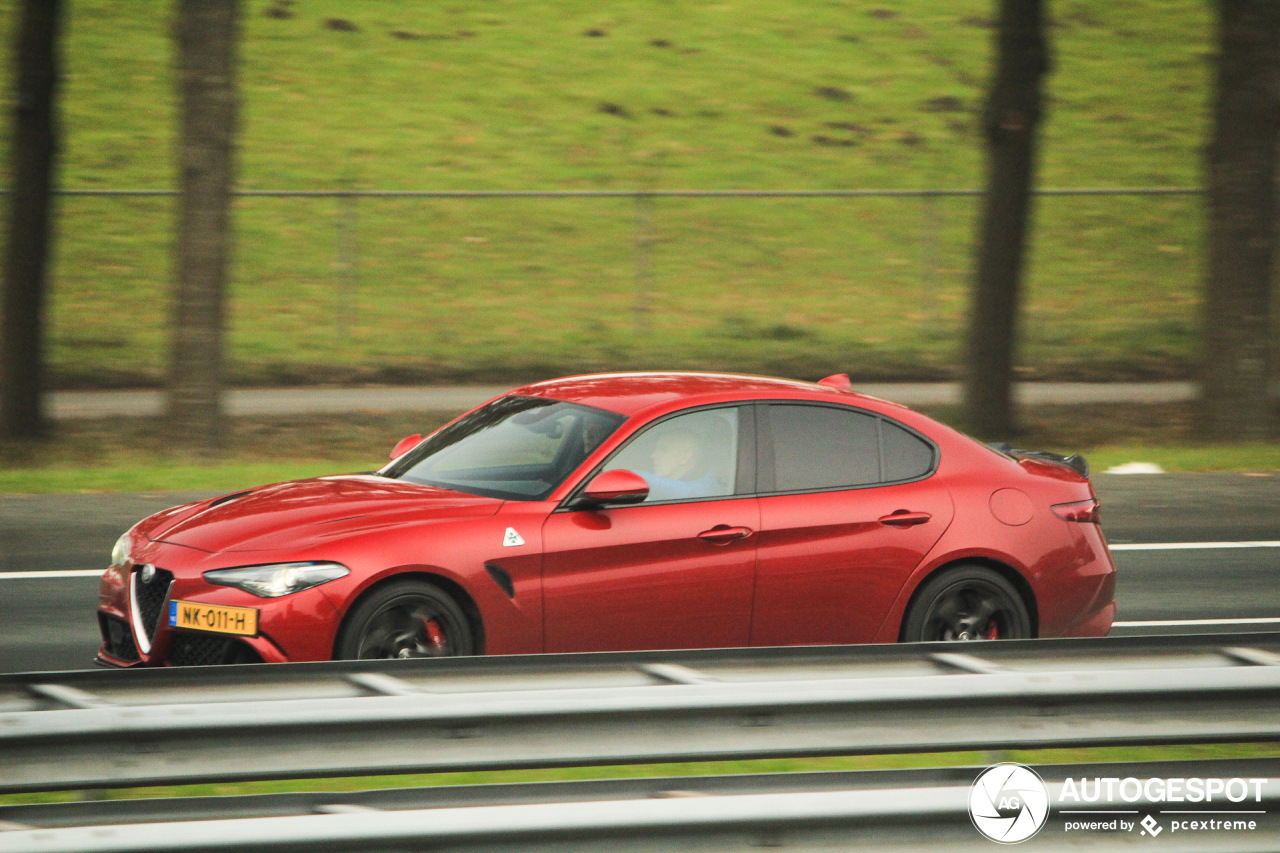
674 470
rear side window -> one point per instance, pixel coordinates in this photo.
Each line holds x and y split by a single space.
906 455
817 447
824 447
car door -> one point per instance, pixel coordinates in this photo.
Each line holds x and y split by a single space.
674 571
847 510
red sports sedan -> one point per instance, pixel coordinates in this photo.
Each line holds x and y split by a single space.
627 511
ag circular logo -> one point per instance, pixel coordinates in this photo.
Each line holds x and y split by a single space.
1008 803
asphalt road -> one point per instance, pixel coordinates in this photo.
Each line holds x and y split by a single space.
48 623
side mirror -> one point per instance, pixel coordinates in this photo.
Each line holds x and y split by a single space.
616 487
405 445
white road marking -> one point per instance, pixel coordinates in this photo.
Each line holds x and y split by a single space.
1171 623
67 573
1191 546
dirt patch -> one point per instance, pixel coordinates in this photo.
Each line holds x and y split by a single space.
833 93
851 126
943 104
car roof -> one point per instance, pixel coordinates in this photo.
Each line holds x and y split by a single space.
631 393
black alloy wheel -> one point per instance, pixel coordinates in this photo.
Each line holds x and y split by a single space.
405 619
964 604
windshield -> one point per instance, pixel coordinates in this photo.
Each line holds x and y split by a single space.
515 448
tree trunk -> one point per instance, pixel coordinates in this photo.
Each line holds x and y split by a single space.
1009 120
35 145
206 37
1235 403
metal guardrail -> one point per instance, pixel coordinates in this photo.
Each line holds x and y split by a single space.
894 809
78 730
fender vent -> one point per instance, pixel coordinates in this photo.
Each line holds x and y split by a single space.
501 578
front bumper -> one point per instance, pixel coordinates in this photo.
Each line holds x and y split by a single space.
133 617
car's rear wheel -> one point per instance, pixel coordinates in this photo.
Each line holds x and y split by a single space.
405 619
967 603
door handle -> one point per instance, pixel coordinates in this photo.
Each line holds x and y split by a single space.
905 518
723 534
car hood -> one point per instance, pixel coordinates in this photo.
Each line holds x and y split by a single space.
295 514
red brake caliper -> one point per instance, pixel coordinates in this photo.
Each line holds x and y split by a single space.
993 630
434 634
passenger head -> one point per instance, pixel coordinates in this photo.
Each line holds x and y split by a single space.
675 455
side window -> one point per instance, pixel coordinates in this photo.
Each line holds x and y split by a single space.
906 456
685 457
819 447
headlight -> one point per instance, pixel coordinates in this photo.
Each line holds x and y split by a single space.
278 579
120 553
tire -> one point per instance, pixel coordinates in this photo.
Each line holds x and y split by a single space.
405 619
967 603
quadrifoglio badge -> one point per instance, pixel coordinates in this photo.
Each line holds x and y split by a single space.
1010 803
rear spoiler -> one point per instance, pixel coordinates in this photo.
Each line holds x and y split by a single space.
1075 462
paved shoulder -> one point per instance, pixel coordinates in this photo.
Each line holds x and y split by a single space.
65 532
70 405
1211 507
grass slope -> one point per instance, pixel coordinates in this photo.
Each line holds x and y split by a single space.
498 94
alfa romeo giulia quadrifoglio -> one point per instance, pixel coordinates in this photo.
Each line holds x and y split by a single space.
627 511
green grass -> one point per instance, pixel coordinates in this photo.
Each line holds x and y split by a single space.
134 455
141 473
140 476
1254 458
498 94
706 768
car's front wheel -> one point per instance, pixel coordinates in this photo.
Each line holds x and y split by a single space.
967 603
405 619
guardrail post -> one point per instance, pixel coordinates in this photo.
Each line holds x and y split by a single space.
644 278
346 263
930 220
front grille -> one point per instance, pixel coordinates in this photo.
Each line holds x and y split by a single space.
117 638
205 650
148 599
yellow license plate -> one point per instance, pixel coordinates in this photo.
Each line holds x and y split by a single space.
218 618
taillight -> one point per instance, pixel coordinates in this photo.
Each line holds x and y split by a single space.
1085 512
